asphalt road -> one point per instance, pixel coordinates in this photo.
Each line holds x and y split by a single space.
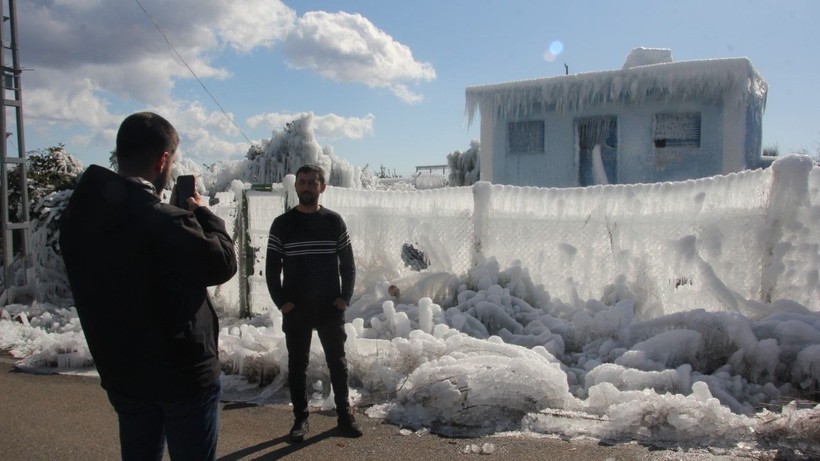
67 418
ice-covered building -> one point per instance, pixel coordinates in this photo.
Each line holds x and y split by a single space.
653 120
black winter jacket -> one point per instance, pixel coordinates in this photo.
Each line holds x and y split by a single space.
138 270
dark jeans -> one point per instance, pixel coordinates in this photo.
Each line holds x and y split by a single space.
190 425
298 326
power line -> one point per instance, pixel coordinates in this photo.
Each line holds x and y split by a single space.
179 56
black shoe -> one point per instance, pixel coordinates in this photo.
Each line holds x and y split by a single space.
299 430
347 425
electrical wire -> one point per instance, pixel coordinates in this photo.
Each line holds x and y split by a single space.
182 60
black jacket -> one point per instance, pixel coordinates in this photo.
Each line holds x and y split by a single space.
138 270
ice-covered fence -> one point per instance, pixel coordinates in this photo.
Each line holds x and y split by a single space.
396 232
230 295
671 244
719 243
261 208
393 233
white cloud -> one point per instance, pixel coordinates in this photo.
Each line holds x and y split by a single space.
329 126
79 4
119 47
85 54
203 132
75 101
205 148
405 94
75 105
349 48
121 50
252 23
91 62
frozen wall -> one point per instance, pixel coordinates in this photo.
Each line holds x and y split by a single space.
721 150
717 147
556 166
724 243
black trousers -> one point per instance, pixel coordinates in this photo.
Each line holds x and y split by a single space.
298 325
190 425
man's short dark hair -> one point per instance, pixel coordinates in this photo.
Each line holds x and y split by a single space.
312 169
143 137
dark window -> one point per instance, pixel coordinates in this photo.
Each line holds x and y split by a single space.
677 130
525 137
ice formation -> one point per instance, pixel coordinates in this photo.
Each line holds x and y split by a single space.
731 80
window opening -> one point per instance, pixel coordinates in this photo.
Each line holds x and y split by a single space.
525 137
677 130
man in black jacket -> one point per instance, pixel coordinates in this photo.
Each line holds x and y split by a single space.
138 270
310 274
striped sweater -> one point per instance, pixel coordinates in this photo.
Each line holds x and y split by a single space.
309 259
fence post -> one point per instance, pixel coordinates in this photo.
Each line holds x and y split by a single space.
788 192
243 244
482 197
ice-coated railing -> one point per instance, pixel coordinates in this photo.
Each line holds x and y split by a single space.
721 243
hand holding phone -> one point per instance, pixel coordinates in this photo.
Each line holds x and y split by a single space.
186 186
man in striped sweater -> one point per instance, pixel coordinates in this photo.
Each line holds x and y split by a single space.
310 274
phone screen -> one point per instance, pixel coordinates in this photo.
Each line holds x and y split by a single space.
185 188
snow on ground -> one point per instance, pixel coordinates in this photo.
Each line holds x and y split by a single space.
493 363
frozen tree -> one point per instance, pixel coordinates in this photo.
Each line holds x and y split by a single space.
50 274
52 173
465 168
272 159
47 170
51 169
369 180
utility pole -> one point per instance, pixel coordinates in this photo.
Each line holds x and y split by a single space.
16 230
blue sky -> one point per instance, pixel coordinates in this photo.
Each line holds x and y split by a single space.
385 80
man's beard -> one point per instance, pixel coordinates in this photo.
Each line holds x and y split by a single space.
161 181
308 199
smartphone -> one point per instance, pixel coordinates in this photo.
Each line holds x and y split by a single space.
186 184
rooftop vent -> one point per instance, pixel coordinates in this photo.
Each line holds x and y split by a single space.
647 56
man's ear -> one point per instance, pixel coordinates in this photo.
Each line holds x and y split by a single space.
162 160
322 188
